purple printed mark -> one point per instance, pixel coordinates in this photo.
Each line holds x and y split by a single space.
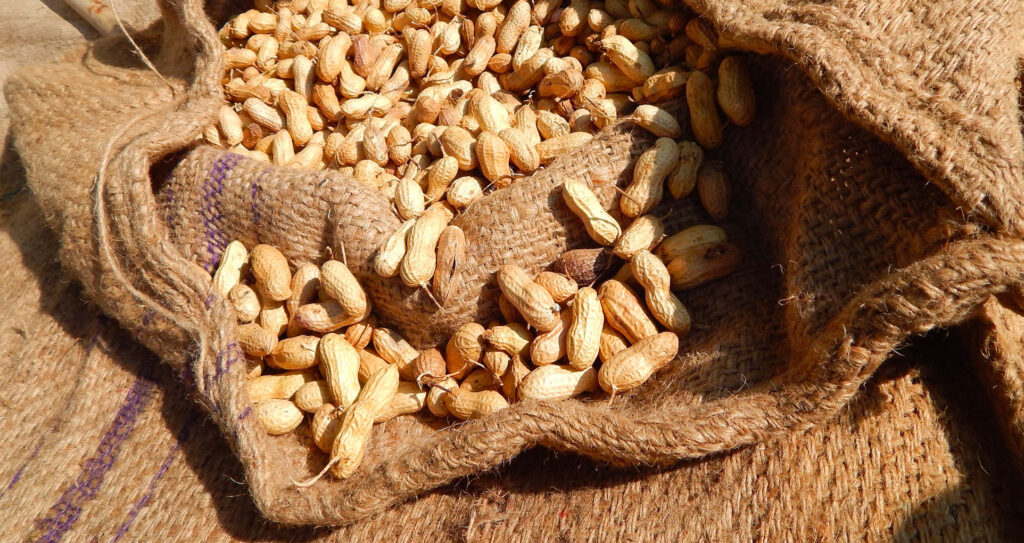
225 359
245 413
65 512
168 206
21 470
213 189
182 436
147 317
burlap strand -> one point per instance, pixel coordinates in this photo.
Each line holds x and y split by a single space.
849 250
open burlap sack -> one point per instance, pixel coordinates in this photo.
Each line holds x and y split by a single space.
860 250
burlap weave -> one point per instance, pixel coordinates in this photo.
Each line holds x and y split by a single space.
861 250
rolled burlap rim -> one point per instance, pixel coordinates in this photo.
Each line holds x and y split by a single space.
170 303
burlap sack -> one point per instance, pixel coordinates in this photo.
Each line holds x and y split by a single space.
861 250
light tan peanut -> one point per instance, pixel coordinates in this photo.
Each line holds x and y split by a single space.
305 283
532 300
350 84
255 340
418 45
496 362
478 380
295 353
312 396
574 17
234 262
551 125
339 364
612 343
657 121
375 148
701 265
339 283
283 150
643 234
440 176
384 66
479 56
632 367
683 179
245 303
399 144
551 149
366 106
583 339
331 57
323 317
325 426
359 334
561 287
466 404
702 33
490 113
525 120
397 351
347 452
512 27
513 338
623 312
465 349
237 58
451 257
509 311
651 273
527 46
702 235
310 157
294 106
602 227
584 266
303 78
435 397
230 125
713 190
561 84
549 347
409 398
554 382
369 363
613 79
704 117
409 200
368 172
514 375
528 74
273 313
420 259
281 386
493 156
648 186
389 256
464 191
430 367
633 62
278 416
666 84
459 143
521 151
270 268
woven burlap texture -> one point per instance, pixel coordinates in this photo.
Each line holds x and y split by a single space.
862 251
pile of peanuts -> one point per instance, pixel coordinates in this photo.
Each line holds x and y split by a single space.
435 103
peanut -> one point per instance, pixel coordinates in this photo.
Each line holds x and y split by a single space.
325 426
633 366
359 334
278 416
347 452
420 260
549 347
294 353
583 340
409 398
397 351
657 121
339 283
270 268
736 92
713 190
245 303
623 312
451 257
465 349
651 273
255 340
370 363
233 263
602 227
512 338
561 287
683 179
389 256
466 404
281 386
649 175
554 382
645 232
703 264
312 396
532 300
704 118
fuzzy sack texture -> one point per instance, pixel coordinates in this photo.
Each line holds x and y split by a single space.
852 245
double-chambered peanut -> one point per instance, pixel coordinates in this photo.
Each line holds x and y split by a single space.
377 393
643 234
270 268
244 301
557 382
533 301
649 175
339 364
339 283
601 226
451 257
281 386
651 273
700 265
466 404
278 416
420 259
631 367
294 353
465 349
623 311
582 342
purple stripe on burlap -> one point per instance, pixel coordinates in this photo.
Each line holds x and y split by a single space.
226 359
63 515
245 413
213 189
182 436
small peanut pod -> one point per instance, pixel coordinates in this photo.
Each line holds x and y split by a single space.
601 226
702 235
522 153
512 27
553 383
657 121
573 19
612 343
375 396
704 118
533 301
464 191
713 190
397 351
736 94
323 317
496 362
633 62
359 335
270 268
651 273
466 404
649 175
435 398
230 125
645 232
683 179
465 349
281 386
440 176
409 398
703 264
409 200
339 364
389 256
278 416
479 56
583 341
312 396
273 314
459 143
245 303
451 256
294 353
233 263
623 312
255 340
264 115
557 146
632 367
514 375
420 259
339 283
549 347
513 338
666 84
430 367
493 156
561 286
325 426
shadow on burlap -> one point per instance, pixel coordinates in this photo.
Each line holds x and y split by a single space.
849 250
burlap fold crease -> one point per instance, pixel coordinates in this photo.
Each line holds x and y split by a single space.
876 198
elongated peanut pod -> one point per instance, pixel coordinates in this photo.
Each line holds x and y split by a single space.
602 227
645 232
554 382
701 265
623 311
349 445
583 341
339 364
532 300
651 273
397 351
294 353
233 263
451 257
278 416
389 256
466 404
270 268
420 259
632 367
408 399
652 168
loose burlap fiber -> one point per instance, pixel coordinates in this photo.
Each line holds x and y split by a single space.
864 243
